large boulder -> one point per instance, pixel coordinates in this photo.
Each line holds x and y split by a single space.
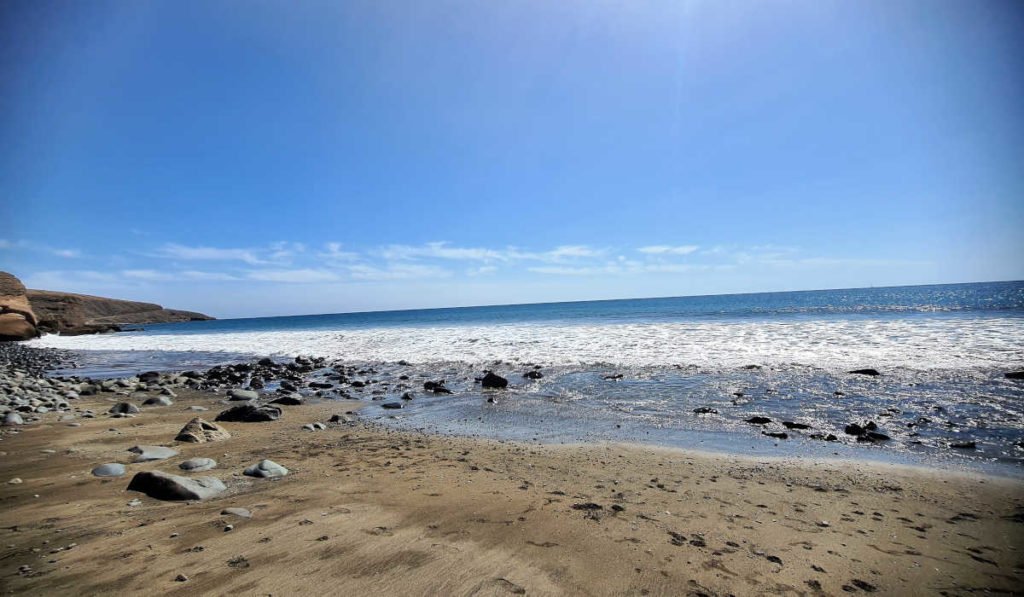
198 431
17 320
250 413
165 486
491 380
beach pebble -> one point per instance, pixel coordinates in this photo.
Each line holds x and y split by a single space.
149 453
158 401
242 395
164 486
240 512
199 431
266 468
293 399
113 469
181 578
195 465
248 413
15 481
123 408
12 418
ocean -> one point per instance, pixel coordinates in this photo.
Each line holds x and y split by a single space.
942 352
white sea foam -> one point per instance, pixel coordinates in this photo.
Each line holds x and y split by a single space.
835 344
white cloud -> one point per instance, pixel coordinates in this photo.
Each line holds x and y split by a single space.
483 270
398 271
147 274
211 276
67 253
668 249
440 250
334 253
176 251
293 276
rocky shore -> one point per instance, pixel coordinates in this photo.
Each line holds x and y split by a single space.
146 484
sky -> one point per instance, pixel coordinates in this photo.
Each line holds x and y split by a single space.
271 158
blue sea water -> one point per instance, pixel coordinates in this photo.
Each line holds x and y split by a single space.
635 370
990 299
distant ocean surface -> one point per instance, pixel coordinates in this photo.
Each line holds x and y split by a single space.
942 351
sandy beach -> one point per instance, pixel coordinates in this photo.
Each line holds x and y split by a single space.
367 509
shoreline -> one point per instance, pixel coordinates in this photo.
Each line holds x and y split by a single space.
369 508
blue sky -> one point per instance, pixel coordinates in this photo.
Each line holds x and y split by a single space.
255 158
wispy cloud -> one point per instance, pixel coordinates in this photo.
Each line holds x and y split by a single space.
668 249
400 271
6 244
293 276
185 253
334 253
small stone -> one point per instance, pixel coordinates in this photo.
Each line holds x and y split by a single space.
240 512
150 453
195 465
266 468
113 469
181 578
15 481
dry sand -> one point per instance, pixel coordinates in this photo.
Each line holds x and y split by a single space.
370 511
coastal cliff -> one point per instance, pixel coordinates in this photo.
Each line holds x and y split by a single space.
28 312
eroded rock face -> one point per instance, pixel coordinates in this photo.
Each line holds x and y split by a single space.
165 486
17 320
199 431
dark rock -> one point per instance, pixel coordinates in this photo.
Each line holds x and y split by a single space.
825 437
289 400
854 429
705 410
407 396
249 413
321 385
265 362
436 387
873 437
158 401
123 408
969 445
494 381
613 377
533 374
1015 375
792 425
776 434
871 372
164 486
759 420
149 376
587 506
392 405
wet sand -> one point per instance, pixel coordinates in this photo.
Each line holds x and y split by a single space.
367 510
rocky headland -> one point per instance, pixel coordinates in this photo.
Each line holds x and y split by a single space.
26 313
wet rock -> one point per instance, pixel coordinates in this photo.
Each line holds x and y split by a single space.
124 408
164 486
407 396
150 453
968 445
873 437
613 377
828 437
1015 375
436 387
705 410
792 425
113 469
340 419
266 468
249 413
196 465
533 374
776 434
199 431
289 400
493 381
759 420
392 405
871 372
854 429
